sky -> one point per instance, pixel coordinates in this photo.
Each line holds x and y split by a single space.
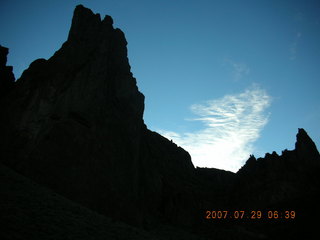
222 79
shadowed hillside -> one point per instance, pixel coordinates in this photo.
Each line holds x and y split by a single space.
30 211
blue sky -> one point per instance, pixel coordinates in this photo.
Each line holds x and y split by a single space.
223 79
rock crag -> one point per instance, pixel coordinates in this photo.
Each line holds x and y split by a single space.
6 74
74 123
275 179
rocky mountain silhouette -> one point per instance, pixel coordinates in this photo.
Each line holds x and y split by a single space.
73 135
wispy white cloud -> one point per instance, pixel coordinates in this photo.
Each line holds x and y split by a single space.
231 125
239 70
294 46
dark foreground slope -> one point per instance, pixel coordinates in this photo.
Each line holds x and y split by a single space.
74 124
30 211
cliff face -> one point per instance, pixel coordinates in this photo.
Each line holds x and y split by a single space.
74 122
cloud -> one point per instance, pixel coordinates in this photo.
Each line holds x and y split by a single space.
239 70
231 125
294 46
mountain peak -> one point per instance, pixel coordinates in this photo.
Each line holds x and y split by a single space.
305 152
305 146
86 24
74 123
303 137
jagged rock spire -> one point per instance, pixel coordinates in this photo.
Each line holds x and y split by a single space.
6 74
305 147
86 25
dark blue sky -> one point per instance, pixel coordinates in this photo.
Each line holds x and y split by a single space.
221 78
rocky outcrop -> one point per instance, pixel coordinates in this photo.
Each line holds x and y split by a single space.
275 179
6 74
74 123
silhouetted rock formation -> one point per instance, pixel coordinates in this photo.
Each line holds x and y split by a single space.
6 74
275 179
290 181
74 123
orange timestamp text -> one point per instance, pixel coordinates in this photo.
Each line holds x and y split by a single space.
241 214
